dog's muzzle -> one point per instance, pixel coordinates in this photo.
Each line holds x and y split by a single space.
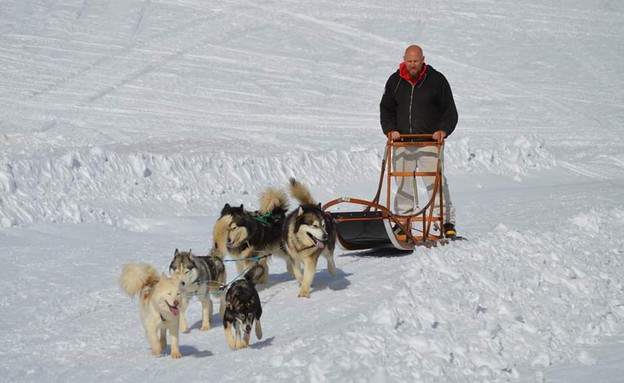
319 244
174 309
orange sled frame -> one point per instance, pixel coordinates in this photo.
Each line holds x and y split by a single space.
372 227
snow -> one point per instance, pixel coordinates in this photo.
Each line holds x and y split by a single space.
126 125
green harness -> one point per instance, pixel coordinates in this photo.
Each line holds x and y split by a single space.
265 219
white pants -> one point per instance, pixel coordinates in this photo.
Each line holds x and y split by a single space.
422 159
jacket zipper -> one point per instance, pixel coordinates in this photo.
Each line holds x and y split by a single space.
410 110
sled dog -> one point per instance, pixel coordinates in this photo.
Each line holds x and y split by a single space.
202 276
243 309
246 234
159 297
308 233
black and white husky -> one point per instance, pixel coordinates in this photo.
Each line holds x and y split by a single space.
203 276
243 309
308 233
246 234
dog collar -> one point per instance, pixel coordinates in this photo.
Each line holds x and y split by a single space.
302 248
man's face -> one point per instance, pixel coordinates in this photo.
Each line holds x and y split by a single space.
413 62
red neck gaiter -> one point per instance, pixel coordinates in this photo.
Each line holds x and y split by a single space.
405 74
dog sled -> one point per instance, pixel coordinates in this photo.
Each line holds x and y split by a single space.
373 225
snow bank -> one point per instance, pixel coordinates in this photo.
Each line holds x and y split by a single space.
477 310
99 185
522 155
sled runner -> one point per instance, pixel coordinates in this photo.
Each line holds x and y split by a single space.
374 225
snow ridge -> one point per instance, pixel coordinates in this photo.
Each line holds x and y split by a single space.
91 185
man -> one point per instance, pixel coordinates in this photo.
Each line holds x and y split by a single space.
418 100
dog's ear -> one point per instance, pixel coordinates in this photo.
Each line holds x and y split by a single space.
319 206
190 252
176 278
176 252
298 219
226 209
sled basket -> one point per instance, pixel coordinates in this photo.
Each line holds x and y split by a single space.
361 230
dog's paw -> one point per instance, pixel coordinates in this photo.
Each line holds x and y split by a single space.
304 294
156 353
204 328
332 271
176 354
240 345
230 339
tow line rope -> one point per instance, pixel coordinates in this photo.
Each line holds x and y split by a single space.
223 286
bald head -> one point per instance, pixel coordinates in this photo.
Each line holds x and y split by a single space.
414 60
414 49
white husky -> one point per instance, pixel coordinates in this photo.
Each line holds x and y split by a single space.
159 297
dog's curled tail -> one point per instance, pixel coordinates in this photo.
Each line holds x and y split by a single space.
301 193
255 273
273 200
136 276
219 236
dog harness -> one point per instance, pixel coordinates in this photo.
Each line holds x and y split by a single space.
264 219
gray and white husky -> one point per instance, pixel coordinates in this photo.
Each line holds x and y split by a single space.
308 233
203 276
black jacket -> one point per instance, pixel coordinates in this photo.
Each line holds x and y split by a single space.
423 108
